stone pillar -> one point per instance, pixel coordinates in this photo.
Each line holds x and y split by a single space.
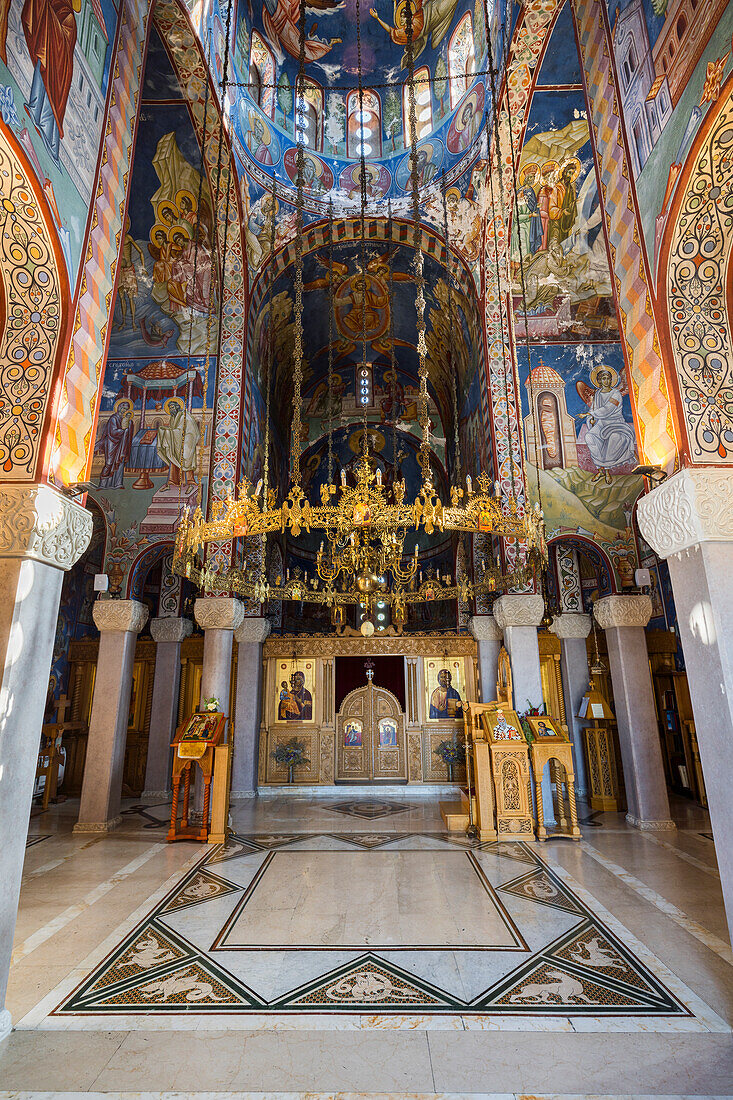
518 617
168 634
42 534
118 622
572 630
219 616
489 638
689 521
248 704
623 618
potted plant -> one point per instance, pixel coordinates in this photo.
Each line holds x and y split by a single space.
451 753
292 754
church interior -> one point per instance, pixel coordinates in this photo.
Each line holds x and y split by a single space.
366 533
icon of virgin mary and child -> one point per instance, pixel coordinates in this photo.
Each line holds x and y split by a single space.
295 705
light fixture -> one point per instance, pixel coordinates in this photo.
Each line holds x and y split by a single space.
655 475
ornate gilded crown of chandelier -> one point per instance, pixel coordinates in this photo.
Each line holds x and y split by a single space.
362 557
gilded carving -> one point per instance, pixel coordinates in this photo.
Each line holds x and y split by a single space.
406 645
38 522
327 757
414 758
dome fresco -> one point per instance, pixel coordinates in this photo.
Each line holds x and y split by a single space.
334 123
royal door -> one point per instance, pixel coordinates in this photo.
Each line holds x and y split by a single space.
371 737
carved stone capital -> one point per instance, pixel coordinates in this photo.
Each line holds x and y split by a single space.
218 612
253 631
38 522
484 628
571 625
170 629
692 506
622 611
515 610
119 615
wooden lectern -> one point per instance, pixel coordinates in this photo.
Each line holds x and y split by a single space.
195 742
550 744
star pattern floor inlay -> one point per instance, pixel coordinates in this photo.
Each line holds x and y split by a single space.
386 924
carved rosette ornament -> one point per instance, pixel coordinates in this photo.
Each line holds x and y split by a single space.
118 615
518 611
692 506
38 522
170 630
484 628
614 611
571 625
253 631
219 612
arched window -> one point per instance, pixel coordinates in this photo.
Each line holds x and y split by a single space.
364 125
262 75
309 116
461 60
423 106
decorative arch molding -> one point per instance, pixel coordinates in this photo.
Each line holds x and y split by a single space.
176 31
34 298
696 274
595 553
142 565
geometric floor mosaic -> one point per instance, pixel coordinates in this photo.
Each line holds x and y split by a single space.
509 939
370 808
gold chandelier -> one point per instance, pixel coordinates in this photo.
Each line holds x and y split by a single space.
362 558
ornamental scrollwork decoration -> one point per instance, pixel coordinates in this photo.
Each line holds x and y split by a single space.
699 322
30 336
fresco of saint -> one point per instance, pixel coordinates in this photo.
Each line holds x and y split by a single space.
609 437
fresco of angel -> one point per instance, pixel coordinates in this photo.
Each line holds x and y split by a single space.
280 20
429 17
609 437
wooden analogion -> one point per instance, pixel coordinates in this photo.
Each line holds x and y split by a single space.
195 743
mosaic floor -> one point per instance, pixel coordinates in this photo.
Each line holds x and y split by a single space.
336 926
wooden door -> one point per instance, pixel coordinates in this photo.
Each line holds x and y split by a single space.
371 737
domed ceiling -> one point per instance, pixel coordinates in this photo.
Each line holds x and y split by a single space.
333 122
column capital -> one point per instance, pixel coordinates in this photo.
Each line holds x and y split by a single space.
571 625
170 629
252 630
622 611
39 522
119 615
484 628
516 610
218 612
694 505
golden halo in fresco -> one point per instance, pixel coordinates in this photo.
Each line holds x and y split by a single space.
525 169
184 193
166 207
376 440
159 228
171 402
574 163
609 370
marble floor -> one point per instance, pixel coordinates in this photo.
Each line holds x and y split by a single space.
347 944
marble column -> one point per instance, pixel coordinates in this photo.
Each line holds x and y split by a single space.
168 634
250 635
119 623
489 639
518 617
689 521
42 534
623 618
572 629
219 616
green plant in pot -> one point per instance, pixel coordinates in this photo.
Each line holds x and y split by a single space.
451 753
292 755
